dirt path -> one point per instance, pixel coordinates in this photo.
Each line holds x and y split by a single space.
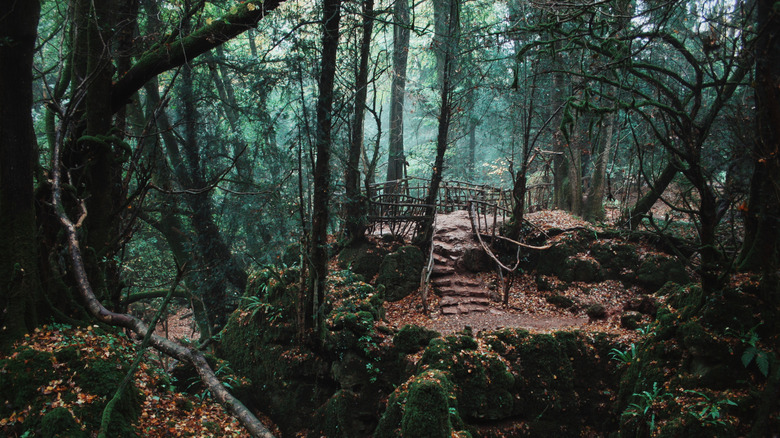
497 319
467 297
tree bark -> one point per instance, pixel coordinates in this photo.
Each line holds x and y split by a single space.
425 233
320 214
396 160
761 249
172 53
646 202
594 210
356 208
19 278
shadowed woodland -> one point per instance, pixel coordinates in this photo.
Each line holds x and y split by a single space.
390 218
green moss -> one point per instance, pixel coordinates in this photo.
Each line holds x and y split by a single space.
21 376
363 259
423 406
441 352
337 417
560 301
400 272
59 422
547 378
656 269
577 268
614 255
412 338
427 414
26 372
483 382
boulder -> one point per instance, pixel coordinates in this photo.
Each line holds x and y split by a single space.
363 258
656 269
400 272
631 319
581 268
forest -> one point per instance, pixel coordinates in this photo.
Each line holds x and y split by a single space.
427 218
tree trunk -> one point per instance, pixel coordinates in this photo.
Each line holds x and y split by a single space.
331 15
215 254
19 278
356 208
646 202
594 211
558 140
425 233
761 248
396 160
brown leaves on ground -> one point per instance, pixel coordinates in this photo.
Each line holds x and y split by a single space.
164 411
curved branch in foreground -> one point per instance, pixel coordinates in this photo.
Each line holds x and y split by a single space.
166 346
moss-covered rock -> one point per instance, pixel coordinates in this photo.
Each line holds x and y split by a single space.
424 406
656 269
614 255
595 311
688 371
581 268
76 375
344 415
631 319
363 258
400 272
59 422
426 414
483 383
560 301
413 338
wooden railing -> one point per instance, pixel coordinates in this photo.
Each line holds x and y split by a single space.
398 207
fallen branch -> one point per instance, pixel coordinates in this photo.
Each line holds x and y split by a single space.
96 308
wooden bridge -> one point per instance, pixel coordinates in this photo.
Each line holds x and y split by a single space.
398 207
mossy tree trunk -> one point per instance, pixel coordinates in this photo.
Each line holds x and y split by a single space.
356 205
449 47
396 160
19 278
318 252
761 249
594 210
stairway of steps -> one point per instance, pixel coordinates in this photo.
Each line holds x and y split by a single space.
461 291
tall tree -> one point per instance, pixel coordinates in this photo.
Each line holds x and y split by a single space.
448 81
19 277
761 248
396 160
318 253
355 221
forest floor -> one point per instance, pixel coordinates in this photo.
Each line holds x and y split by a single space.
527 307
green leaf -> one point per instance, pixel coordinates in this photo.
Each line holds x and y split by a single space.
748 356
762 360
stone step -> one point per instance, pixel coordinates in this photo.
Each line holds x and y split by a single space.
463 308
449 251
442 282
442 270
441 260
452 300
464 292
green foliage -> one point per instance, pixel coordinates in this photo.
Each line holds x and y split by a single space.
624 357
754 353
643 410
709 411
